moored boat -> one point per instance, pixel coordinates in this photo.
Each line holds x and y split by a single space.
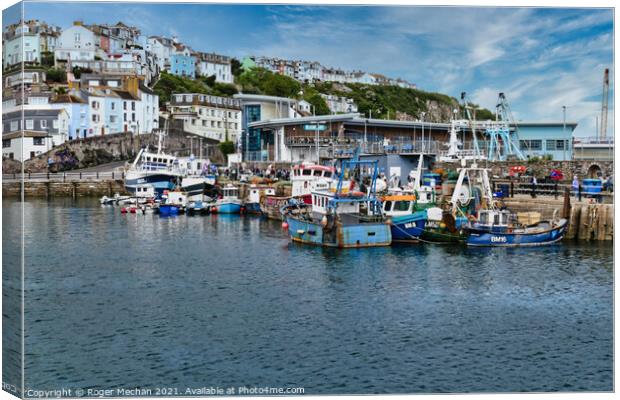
502 228
304 179
255 194
230 202
339 217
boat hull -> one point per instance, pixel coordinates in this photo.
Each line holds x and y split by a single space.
407 229
252 208
506 239
168 209
159 181
341 236
228 208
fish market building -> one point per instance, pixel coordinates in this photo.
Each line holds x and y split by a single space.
320 138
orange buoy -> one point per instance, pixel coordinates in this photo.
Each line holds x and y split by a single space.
284 225
213 209
123 210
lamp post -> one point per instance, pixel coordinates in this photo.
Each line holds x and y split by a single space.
423 142
564 130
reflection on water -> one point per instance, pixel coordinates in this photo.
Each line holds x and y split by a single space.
139 301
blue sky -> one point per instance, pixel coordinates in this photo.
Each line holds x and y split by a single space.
542 58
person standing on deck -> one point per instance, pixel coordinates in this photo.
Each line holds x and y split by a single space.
534 183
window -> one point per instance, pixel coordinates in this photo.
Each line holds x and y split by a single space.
124 105
133 117
43 123
557 145
112 106
29 124
55 124
125 117
14 125
133 106
38 141
6 143
95 105
32 154
95 118
76 37
530 144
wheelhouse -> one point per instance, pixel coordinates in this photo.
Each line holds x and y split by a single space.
397 205
321 204
495 218
230 192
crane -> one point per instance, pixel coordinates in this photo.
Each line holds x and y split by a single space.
472 125
605 105
500 130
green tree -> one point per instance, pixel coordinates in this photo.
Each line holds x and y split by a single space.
227 147
47 59
56 75
235 66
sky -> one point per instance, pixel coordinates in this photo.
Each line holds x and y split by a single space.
541 58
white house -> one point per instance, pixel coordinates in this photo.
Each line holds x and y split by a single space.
23 47
40 129
213 117
161 48
76 44
210 64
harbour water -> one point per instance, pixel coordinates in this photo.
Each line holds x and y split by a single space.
126 301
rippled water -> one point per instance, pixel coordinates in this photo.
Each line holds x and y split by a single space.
141 301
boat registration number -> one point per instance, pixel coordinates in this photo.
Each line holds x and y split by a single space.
410 225
498 239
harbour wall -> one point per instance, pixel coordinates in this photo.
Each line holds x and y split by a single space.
587 221
63 189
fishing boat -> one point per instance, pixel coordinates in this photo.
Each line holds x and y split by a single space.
503 228
406 207
158 169
471 192
304 178
197 207
173 203
340 217
197 178
255 194
229 203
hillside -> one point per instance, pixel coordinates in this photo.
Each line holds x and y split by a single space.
381 101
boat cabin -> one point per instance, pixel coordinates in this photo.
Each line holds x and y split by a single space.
495 218
145 191
320 204
397 205
303 176
256 192
176 198
157 162
230 192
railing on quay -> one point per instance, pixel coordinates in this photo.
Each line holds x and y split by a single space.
63 176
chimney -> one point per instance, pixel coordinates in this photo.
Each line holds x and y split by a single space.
78 23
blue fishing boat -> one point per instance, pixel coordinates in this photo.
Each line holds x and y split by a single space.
340 217
230 202
407 207
502 228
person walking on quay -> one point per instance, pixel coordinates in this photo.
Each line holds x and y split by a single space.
534 183
555 189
